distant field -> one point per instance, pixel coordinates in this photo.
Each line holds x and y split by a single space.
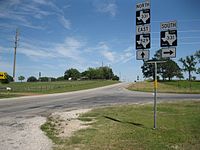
131 128
190 87
27 88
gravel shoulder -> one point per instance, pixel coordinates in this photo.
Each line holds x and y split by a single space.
23 133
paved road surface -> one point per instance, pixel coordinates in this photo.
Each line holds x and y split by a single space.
115 94
21 118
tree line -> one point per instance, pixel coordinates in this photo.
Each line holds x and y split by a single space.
100 73
170 69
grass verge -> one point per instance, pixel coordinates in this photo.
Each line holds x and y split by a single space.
130 127
24 89
186 87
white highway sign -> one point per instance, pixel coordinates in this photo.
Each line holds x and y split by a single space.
143 41
141 6
168 25
168 38
143 29
169 52
142 54
143 17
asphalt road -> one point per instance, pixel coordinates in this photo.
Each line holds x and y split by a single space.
115 94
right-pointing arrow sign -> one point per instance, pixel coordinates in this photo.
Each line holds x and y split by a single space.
169 52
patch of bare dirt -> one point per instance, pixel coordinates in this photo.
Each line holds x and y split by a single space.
66 123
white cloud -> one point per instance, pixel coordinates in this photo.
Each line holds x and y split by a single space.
20 13
70 49
110 56
127 55
65 22
109 7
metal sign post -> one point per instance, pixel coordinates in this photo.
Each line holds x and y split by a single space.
155 91
155 95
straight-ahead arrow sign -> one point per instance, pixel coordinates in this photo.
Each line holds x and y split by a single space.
169 52
142 54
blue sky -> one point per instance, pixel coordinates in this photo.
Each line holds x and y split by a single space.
56 35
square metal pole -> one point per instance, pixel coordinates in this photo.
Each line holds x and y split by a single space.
155 95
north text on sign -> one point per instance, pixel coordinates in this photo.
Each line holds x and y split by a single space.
141 6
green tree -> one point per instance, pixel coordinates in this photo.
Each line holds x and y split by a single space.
170 69
7 80
115 77
148 70
72 73
189 64
60 78
197 55
98 73
21 78
198 71
106 72
180 75
32 79
167 69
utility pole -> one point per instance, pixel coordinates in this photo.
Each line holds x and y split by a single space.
15 52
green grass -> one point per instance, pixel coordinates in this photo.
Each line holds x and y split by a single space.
22 89
187 87
130 128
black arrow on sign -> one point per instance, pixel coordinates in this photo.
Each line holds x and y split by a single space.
142 54
170 52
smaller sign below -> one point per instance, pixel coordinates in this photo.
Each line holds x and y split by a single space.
168 25
168 38
143 17
143 41
141 6
3 75
169 52
143 29
142 54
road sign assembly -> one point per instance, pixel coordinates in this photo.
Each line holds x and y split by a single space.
169 52
143 29
3 75
168 38
142 54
